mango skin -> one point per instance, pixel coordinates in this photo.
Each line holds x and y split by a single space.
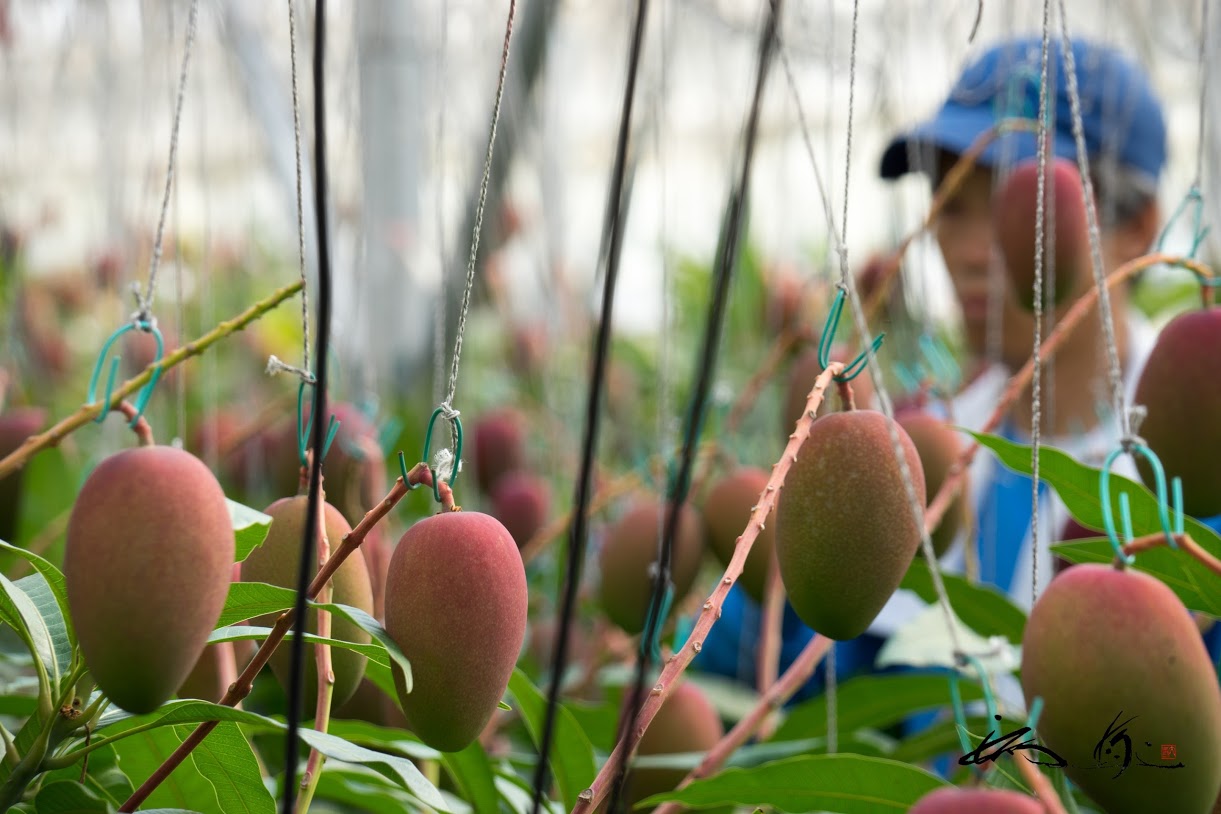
686 722
15 427
148 561
521 501
456 604
1181 388
956 800
277 561
727 510
939 447
630 548
845 535
1102 642
497 444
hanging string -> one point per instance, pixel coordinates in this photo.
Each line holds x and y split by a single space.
439 204
447 402
681 482
144 302
1036 381
275 365
1203 94
319 427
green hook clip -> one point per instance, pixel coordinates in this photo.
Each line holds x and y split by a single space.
1108 519
146 392
304 431
457 422
941 364
1195 199
960 715
650 637
857 366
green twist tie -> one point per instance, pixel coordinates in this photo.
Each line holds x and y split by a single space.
304 428
857 366
1108 518
1195 199
146 392
650 637
452 415
960 716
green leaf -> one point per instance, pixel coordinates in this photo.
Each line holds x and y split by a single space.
190 712
757 754
249 600
186 787
105 779
1079 487
472 772
249 529
983 608
54 578
383 738
846 784
66 797
225 757
235 633
572 755
20 611
942 738
873 702
42 595
341 783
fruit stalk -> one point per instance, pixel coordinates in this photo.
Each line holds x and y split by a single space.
938 506
420 475
326 672
86 412
773 623
777 694
1041 785
593 796
1184 542
142 429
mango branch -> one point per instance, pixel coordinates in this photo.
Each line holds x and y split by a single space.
946 190
592 797
950 487
420 475
86 412
1041 785
777 694
768 664
326 672
1184 541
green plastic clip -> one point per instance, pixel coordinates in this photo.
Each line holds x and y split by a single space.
857 366
146 392
457 424
650 637
960 716
303 432
1108 518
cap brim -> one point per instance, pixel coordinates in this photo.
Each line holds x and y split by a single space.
954 130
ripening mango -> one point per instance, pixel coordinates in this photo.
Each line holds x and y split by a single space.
957 800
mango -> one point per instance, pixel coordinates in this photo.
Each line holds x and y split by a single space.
456 604
277 561
845 533
727 511
1180 387
1015 210
147 561
497 441
686 722
521 501
956 800
15 427
1123 672
630 548
939 447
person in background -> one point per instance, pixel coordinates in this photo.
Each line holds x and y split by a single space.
1125 137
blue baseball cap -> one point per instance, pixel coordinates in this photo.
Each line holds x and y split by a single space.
1121 116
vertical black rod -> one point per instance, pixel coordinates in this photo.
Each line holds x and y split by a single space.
612 241
681 484
319 423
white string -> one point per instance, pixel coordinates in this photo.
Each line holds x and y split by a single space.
1036 383
275 365
1203 91
483 194
439 322
144 302
1114 375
